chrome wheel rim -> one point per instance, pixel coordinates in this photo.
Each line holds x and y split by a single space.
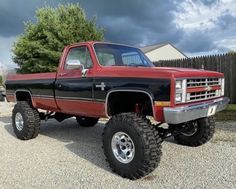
123 147
19 122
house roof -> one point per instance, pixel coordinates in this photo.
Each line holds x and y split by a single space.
150 48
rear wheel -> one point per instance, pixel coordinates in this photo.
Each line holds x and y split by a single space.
25 121
86 121
197 132
131 145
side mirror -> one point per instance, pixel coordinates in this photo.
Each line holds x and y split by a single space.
74 64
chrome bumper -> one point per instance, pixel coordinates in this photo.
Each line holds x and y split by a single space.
191 112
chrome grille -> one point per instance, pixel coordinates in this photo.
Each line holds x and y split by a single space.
203 95
202 82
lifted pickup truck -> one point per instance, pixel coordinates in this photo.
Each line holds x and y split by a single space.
96 79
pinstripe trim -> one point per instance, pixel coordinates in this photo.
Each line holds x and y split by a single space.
69 98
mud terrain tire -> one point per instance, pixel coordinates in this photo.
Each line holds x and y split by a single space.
25 121
205 128
140 135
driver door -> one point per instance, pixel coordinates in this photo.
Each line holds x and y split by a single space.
73 90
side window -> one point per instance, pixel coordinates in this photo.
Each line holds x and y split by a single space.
79 54
106 59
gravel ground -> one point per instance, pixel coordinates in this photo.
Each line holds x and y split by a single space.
67 156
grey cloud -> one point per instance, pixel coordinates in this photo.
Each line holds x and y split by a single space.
197 41
133 22
209 2
14 13
226 21
136 21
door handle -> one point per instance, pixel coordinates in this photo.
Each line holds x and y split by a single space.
59 85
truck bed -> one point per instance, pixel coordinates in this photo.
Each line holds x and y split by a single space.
35 76
39 85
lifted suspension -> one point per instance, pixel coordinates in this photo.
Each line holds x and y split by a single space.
171 130
56 115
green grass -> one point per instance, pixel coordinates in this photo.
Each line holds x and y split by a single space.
229 114
231 107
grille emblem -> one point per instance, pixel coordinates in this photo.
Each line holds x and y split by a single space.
208 88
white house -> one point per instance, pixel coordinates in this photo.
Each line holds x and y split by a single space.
165 51
3 72
1 69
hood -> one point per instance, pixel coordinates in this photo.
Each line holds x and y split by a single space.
155 72
189 72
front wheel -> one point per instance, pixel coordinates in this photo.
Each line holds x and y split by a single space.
196 133
131 145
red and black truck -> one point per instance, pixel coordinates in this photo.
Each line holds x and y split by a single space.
98 79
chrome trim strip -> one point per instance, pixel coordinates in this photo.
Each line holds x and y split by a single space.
79 98
186 113
184 87
10 93
43 96
57 97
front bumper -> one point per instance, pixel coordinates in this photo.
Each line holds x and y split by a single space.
191 112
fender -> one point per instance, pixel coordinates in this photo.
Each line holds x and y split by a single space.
129 90
27 91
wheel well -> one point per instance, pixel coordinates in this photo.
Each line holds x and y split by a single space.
129 101
23 96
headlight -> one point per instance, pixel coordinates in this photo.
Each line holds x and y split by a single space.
178 97
178 84
180 90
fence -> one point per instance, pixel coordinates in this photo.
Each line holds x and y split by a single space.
225 63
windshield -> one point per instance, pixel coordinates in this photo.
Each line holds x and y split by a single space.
119 55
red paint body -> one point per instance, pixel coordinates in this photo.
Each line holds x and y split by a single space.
98 109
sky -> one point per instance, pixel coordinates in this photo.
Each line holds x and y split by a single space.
196 27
